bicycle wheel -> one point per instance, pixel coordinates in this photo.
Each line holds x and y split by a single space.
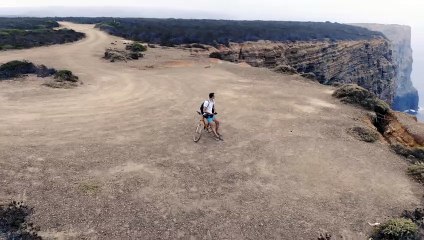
198 132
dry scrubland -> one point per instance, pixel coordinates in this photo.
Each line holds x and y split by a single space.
114 159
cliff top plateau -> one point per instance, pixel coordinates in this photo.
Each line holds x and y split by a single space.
114 158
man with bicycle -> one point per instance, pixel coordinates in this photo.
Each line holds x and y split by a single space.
210 115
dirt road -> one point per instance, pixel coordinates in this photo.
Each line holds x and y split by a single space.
114 158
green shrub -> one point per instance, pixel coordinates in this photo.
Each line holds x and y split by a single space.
397 229
16 68
417 171
417 216
15 65
136 47
65 75
364 134
354 94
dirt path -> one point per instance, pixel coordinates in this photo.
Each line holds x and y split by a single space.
114 159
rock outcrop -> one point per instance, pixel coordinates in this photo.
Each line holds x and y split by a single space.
406 97
367 63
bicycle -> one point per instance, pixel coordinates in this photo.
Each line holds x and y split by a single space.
200 127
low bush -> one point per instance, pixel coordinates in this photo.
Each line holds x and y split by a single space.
63 79
397 229
285 69
44 71
13 222
415 152
364 134
16 68
354 94
136 47
65 75
417 171
417 216
114 55
135 55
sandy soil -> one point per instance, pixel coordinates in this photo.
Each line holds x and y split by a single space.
114 158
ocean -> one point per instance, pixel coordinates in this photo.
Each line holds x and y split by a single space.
418 65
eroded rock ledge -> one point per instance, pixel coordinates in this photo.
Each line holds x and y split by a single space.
406 97
367 63
402 131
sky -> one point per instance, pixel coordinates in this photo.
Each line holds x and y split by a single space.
384 11
407 12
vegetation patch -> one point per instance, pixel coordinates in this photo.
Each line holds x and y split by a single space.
115 55
417 216
63 79
20 33
132 51
13 222
417 171
15 69
65 75
89 188
136 47
413 153
27 23
171 32
354 94
364 134
397 229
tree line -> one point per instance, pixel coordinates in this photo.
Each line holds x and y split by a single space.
171 32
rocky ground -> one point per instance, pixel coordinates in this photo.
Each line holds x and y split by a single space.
114 158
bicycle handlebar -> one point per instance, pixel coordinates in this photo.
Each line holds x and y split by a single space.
202 114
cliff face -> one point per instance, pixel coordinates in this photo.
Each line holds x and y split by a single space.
367 63
406 97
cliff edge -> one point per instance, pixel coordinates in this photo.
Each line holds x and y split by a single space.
406 97
367 63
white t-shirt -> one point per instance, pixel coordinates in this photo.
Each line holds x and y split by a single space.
209 104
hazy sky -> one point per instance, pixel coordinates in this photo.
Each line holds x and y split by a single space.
383 11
